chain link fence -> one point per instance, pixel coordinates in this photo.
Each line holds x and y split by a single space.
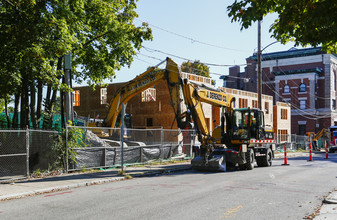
294 142
104 147
25 151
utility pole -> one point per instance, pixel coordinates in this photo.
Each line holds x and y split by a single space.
67 77
259 67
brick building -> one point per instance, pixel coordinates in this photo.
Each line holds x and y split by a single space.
277 116
152 108
149 109
304 78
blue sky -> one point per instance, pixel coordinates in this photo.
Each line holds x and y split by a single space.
180 25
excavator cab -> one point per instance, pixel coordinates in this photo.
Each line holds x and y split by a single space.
248 123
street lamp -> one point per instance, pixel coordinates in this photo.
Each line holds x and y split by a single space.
259 65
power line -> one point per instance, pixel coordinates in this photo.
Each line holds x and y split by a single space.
192 39
155 58
188 59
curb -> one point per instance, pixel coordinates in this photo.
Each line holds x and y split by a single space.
88 183
331 198
59 188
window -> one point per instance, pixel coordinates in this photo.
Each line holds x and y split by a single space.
302 87
286 89
282 135
104 96
284 113
149 95
302 130
243 103
333 104
149 122
303 104
266 107
76 98
254 103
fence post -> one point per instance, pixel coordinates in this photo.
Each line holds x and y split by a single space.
141 154
161 136
122 136
104 156
326 149
27 150
67 167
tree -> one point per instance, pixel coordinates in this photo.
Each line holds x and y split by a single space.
195 68
35 36
306 22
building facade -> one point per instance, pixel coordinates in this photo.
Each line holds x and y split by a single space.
277 116
149 109
304 78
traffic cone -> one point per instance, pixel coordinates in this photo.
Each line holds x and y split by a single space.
310 152
285 154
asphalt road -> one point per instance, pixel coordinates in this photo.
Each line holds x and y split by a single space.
277 192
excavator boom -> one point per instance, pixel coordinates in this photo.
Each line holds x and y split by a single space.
142 82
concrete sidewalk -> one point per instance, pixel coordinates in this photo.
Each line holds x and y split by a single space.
328 211
19 189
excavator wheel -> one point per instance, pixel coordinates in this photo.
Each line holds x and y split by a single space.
249 165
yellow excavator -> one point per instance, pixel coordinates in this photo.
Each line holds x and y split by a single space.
238 141
315 136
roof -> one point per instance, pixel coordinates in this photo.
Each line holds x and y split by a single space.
289 53
298 71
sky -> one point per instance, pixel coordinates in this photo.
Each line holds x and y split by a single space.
196 30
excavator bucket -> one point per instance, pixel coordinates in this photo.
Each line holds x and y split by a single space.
215 162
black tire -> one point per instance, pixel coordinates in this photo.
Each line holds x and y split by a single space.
265 161
250 159
249 165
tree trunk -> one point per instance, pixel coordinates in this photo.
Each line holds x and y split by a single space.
6 112
39 102
16 110
51 108
47 112
32 105
50 100
24 115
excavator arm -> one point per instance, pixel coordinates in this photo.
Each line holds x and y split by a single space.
142 82
195 95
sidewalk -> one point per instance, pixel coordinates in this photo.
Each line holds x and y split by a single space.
68 181
328 211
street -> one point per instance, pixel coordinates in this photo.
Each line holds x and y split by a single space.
277 192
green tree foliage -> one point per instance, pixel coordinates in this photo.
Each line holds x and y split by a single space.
61 151
195 68
306 22
35 36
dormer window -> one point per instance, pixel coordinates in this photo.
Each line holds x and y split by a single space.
303 87
286 89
